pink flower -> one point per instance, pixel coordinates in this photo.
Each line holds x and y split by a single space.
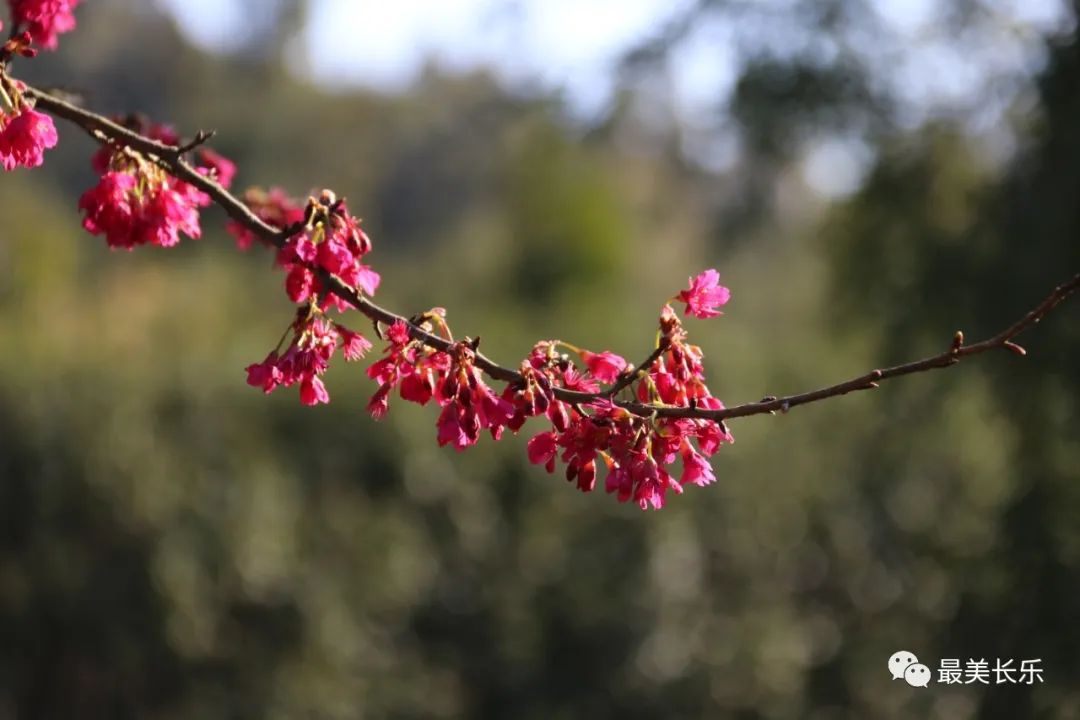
299 284
353 345
24 137
218 166
166 214
398 333
45 19
379 403
542 450
704 295
651 483
367 280
711 435
335 258
313 345
312 391
138 203
451 430
619 482
109 211
584 474
604 366
328 240
265 374
696 469
418 388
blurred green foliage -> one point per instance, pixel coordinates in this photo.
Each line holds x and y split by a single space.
174 544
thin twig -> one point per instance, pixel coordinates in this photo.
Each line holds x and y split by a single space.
630 376
201 138
171 158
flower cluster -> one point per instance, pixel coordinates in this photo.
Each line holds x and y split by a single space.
469 406
136 202
421 373
637 450
415 369
315 340
25 134
24 138
330 241
590 428
45 20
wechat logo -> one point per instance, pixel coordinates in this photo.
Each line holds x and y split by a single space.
903 665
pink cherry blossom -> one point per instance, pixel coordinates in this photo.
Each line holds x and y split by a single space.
299 284
704 295
128 216
312 391
217 166
329 242
542 450
266 374
138 203
605 366
166 213
353 345
24 137
314 342
696 469
637 452
108 208
45 19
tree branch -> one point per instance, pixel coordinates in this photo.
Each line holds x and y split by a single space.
171 158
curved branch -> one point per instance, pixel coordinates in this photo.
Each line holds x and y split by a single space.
172 158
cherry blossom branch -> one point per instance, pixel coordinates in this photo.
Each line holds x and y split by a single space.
872 379
172 158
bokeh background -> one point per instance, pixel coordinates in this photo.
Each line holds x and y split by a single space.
868 178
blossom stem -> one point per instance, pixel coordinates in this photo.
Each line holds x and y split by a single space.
170 158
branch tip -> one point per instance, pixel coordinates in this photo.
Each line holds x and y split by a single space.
201 138
1010 345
